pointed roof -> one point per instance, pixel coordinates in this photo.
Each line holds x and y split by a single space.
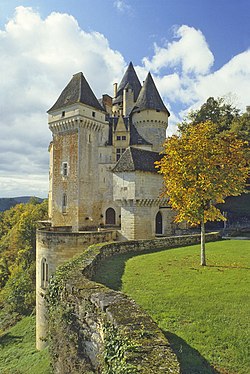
129 79
149 97
77 91
134 159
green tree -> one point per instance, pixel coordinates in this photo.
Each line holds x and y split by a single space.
17 267
200 168
215 110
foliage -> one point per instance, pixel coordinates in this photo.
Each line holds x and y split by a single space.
200 168
226 116
197 308
18 353
17 266
214 110
115 352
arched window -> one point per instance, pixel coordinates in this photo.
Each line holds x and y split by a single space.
158 223
44 273
110 216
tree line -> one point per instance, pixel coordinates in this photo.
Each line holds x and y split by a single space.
17 259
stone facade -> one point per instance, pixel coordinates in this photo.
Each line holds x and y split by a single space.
54 248
90 138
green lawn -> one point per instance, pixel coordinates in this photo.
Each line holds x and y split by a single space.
18 354
203 311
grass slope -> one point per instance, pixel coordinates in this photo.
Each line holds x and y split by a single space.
18 354
203 311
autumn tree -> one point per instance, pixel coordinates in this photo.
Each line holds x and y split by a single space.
200 168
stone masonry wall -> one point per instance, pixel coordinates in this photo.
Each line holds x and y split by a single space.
97 330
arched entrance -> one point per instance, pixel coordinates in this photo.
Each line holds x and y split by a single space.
158 223
110 216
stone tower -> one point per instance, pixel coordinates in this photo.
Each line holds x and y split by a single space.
150 116
78 125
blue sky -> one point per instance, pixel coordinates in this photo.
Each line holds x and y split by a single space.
193 48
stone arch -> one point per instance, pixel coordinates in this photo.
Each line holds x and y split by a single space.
158 223
110 217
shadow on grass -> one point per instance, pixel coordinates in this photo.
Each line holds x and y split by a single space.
110 274
110 271
7 339
191 362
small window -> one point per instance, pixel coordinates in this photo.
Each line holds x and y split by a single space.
44 273
123 137
65 169
123 150
63 113
118 137
89 138
93 114
64 203
118 153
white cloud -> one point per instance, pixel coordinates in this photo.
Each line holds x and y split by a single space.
122 6
39 57
190 51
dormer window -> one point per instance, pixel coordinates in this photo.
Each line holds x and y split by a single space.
65 169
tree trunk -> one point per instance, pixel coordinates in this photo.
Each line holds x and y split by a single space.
203 254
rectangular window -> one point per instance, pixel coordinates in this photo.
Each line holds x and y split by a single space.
44 273
123 137
65 169
118 153
118 137
93 114
123 150
64 203
63 113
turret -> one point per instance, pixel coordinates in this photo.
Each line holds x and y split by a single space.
129 84
150 116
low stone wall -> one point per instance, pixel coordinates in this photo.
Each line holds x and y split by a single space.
97 330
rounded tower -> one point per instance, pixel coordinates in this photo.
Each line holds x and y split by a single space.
150 116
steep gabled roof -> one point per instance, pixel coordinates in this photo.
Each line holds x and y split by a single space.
129 79
134 159
149 97
77 91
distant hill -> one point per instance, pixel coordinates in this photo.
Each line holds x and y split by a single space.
8 202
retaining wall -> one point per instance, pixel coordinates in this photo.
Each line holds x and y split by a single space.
97 330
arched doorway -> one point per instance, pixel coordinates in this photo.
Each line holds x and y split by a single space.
110 216
158 223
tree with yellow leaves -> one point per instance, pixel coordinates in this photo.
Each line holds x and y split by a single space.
200 169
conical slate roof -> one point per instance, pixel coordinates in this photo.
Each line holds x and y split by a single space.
149 97
137 159
77 91
129 79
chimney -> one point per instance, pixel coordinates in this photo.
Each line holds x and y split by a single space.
115 89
